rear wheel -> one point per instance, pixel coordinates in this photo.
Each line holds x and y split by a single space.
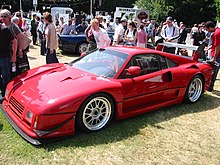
82 47
95 113
194 89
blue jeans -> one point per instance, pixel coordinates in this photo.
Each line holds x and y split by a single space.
51 58
5 68
214 75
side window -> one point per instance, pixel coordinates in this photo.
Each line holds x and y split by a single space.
170 63
148 63
166 63
163 62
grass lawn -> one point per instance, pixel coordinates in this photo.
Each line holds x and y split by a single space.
181 134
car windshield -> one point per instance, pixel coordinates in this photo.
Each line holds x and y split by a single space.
101 62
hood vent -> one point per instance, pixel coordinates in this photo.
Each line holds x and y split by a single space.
67 78
52 72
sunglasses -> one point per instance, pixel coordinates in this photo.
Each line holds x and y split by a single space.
4 16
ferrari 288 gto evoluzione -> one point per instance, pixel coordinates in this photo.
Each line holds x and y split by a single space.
56 99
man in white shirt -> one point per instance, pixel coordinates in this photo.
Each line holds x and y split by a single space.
66 28
69 27
119 32
170 33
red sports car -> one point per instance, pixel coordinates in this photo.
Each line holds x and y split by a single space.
56 99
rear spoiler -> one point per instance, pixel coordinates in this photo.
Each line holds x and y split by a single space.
198 50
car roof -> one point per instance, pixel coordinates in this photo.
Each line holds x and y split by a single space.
133 50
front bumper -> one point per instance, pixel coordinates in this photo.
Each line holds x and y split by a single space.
19 130
37 137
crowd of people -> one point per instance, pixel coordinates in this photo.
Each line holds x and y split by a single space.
126 32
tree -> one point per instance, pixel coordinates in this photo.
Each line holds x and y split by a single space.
188 11
158 8
191 11
217 3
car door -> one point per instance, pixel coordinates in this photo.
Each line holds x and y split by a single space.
145 89
174 78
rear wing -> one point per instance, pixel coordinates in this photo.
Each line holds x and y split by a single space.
182 46
198 51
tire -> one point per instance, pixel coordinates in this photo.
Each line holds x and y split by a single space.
82 47
194 89
95 113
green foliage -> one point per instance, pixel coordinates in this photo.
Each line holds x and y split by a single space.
158 8
217 4
188 11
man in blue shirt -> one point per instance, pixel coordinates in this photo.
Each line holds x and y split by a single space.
81 27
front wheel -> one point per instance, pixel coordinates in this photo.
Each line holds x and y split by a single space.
95 113
194 89
82 47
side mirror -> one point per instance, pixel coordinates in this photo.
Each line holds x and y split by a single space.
134 70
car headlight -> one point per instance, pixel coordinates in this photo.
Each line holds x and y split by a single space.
6 93
29 115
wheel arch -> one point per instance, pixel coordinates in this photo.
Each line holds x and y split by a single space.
106 93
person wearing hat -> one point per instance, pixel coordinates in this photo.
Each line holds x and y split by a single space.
119 32
170 33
